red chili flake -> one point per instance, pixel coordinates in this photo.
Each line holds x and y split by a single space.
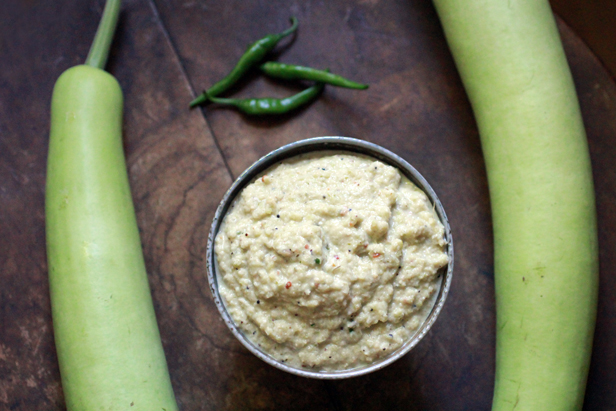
262 179
306 246
376 255
336 257
288 285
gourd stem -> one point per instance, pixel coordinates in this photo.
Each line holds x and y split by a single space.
99 51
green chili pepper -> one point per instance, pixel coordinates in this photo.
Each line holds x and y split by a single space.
253 56
292 72
260 106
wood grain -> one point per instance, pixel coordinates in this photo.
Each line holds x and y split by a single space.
181 161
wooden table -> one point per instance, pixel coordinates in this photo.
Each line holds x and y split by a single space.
181 162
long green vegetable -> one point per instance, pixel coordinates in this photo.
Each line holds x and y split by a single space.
512 64
107 339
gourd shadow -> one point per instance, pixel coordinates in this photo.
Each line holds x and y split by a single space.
597 105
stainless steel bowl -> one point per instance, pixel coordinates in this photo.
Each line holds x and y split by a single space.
329 144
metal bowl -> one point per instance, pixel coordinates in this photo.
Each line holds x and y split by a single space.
329 144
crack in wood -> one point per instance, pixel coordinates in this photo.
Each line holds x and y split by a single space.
188 82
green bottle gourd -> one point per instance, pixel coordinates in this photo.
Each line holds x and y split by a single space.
105 329
511 61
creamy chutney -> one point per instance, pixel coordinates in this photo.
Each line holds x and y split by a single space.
330 260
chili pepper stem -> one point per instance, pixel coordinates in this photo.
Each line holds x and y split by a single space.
291 29
202 98
99 51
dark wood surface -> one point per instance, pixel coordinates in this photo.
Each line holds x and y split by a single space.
181 162
593 21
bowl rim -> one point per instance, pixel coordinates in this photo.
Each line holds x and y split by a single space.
329 143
